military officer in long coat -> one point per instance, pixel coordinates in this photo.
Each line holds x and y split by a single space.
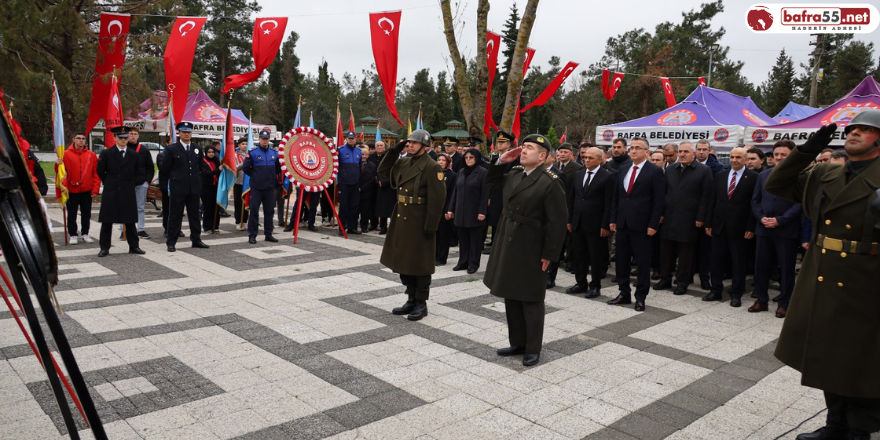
410 245
530 235
831 333
120 169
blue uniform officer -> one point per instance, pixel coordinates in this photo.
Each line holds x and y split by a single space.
262 166
348 181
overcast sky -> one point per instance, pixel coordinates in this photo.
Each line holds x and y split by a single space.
573 30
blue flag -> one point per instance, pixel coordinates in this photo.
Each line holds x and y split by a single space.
311 120
378 134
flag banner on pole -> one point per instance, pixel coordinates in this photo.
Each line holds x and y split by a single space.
246 180
419 124
311 120
667 90
268 33
172 124
564 136
605 76
340 137
553 86
530 54
384 33
113 106
112 39
350 119
61 192
228 165
297 120
408 127
178 59
379 132
615 84
493 41
702 81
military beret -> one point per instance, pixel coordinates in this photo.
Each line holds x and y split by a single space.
539 139
564 146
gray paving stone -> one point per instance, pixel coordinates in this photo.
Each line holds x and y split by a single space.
668 414
691 402
356 414
642 427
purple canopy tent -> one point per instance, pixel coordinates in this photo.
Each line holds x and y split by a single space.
866 95
711 114
795 112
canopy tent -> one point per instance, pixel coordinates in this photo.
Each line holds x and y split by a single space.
207 117
866 95
711 114
794 112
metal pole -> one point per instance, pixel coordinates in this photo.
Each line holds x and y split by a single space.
709 80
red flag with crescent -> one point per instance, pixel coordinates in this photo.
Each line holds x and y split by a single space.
179 54
493 41
605 75
702 81
112 108
553 86
268 33
384 33
112 39
530 54
667 89
615 84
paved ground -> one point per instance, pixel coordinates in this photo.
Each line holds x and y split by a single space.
296 341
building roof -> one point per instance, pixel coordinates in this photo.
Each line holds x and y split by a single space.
370 130
453 132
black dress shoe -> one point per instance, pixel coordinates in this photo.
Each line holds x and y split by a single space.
419 312
200 245
620 300
858 434
252 239
137 251
181 234
313 228
662 284
551 284
171 248
592 293
289 227
472 270
353 232
776 298
640 306
143 234
827 432
487 251
439 263
531 359
712 296
704 284
681 289
406 308
735 302
459 267
271 239
103 253
510 351
383 231
577 288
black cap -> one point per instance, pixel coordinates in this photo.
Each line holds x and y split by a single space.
265 134
350 135
184 126
539 139
475 141
564 146
503 136
121 132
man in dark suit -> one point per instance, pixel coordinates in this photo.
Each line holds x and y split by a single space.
731 226
589 209
554 266
181 163
120 169
636 208
688 191
778 232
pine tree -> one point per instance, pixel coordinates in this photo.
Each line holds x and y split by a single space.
285 84
779 88
511 30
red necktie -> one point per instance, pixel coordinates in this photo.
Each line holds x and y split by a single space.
632 179
732 185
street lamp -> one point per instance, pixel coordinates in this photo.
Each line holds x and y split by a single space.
712 50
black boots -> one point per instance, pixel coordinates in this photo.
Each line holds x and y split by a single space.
829 432
407 307
420 310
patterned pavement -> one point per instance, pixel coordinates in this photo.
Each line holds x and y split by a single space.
287 341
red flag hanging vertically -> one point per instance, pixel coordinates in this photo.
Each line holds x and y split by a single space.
530 53
605 75
493 41
112 108
112 40
615 84
179 55
553 86
384 33
268 33
702 81
667 90
350 119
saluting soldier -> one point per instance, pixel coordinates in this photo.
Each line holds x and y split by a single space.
410 247
831 333
530 235
182 164
120 169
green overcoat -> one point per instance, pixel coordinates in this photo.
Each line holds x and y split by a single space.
532 227
421 191
831 333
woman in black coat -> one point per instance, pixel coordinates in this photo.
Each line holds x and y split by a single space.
210 174
444 229
386 196
368 192
468 208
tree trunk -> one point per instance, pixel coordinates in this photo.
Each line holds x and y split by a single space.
472 96
515 78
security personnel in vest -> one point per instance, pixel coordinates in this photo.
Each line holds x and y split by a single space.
831 332
410 245
181 163
262 166
530 235
348 183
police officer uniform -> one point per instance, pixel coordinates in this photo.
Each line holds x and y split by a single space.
831 332
348 181
410 246
120 170
264 169
182 164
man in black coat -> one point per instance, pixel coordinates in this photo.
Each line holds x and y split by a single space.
703 251
636 208
140 189
120 170
589 212
554 265
181 163
386 196
619 158
368 192
731 225
688 191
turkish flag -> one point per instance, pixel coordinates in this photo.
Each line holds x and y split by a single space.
112 108
553 86
667 89
268 33
530 54
493 41
615 84
605 75
112 39
179 54
702 81
384 32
